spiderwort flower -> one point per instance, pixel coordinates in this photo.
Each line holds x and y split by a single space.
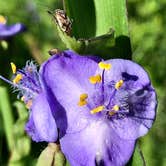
7 31
107 105
41 125
98 107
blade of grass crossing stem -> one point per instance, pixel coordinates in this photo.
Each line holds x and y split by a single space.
7 116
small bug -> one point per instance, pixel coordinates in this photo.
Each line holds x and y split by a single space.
53 51
62 20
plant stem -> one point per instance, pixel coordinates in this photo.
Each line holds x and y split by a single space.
7 116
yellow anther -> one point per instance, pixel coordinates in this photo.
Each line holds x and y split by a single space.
17 78
2 20
83 97
95 79
105 66
115 108
111 113
82 103
118 84
97 109
13 66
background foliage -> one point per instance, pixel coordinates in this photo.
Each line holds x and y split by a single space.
147 22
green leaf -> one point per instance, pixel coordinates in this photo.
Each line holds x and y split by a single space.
51 156
111 13
69 41
22 111
82 13
94 19
137 158
105 46
7 116
102 45
67 163
22 142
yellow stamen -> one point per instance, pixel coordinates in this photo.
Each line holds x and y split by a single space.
82 103
13 66
105 66
95 79
2 20
118 84
111 113
17 78
115 108
83 97
97 109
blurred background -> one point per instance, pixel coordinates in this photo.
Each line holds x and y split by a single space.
147 24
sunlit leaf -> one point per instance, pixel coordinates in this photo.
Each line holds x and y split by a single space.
7 116
96 18
22 143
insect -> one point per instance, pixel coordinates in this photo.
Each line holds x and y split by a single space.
53 51
62 20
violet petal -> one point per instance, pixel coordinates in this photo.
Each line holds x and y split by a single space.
41 125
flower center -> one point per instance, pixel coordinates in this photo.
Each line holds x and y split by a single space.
108 98
26 81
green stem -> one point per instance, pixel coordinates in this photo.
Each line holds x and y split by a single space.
7 116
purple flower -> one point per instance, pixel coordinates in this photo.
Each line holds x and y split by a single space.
7 31
41 125
106 107
97 109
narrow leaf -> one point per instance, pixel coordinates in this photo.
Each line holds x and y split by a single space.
22 142
82 13
22 111
111 13
93 18
7 116
69 41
